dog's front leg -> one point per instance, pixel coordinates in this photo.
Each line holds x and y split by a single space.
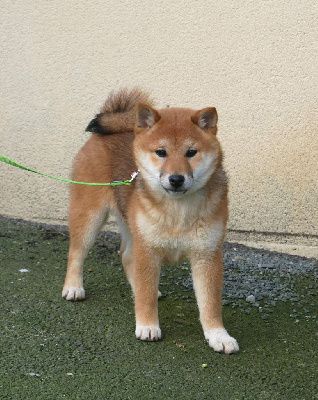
208 282
146 281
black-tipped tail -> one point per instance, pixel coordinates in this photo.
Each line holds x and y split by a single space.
118 113
94 126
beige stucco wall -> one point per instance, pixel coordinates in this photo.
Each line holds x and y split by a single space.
256 61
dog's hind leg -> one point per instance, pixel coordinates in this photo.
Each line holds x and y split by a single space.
126 253
84 226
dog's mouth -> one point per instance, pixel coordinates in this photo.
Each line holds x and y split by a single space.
175 184
172 185
176 192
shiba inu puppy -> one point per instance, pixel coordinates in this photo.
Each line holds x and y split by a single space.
175 210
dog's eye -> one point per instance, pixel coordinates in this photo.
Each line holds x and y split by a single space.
161 153
191 153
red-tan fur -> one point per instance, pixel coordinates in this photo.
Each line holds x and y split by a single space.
159 223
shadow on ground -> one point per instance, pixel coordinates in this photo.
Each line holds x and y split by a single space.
53 349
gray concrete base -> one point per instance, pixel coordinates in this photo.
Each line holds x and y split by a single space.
300 245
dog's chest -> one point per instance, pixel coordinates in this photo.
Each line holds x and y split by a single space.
178 236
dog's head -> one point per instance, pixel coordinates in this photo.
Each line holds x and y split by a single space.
176 149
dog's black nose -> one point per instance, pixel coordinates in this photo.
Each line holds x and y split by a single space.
176 181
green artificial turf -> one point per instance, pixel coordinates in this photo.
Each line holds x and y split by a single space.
54 349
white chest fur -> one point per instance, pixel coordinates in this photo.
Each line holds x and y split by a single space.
180 231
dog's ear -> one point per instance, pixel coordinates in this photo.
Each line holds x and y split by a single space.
146 117
206 119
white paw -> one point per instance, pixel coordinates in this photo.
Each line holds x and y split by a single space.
73 293
148 333
221 341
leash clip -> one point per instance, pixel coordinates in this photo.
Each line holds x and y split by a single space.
134 175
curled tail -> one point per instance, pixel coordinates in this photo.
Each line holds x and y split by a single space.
118 112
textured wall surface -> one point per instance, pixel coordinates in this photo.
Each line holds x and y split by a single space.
256 61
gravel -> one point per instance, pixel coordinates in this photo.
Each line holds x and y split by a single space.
258 279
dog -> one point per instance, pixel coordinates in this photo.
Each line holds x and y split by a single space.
176 208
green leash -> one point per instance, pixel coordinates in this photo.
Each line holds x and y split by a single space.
115 183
